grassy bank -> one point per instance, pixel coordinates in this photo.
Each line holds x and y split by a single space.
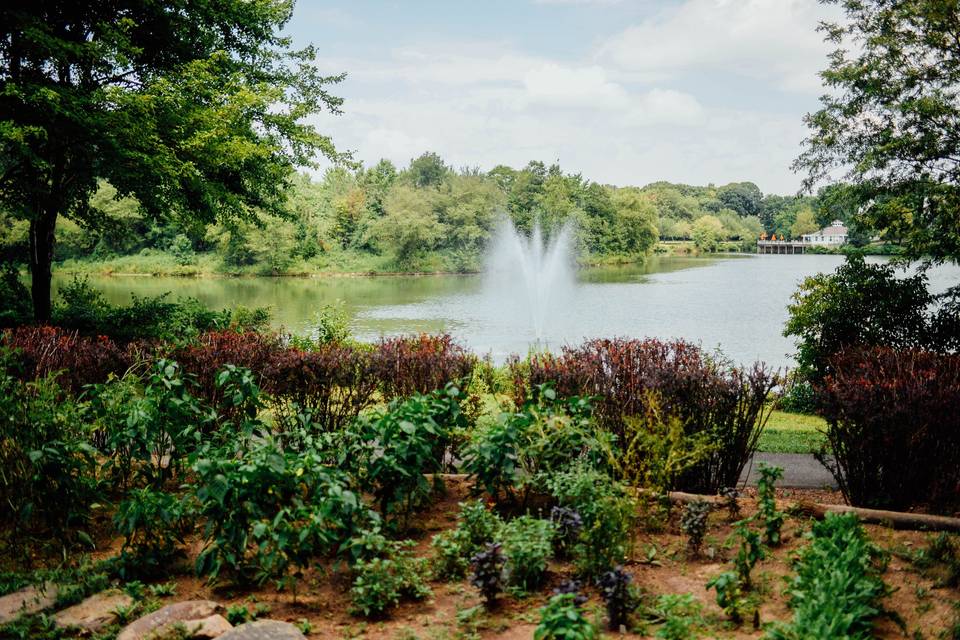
793 433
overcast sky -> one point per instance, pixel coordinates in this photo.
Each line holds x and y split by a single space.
625 92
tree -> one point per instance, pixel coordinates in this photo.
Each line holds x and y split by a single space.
891 121
636 222
805 223
742 197
411 225
196 108
428 170
707 232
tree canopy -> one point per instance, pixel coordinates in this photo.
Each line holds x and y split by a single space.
890 122
195 108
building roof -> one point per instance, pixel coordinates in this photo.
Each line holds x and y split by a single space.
836 228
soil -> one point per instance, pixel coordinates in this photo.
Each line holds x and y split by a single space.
660 563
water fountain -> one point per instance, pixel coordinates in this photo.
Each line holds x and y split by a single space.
530 275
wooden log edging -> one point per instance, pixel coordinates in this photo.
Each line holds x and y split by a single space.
892 519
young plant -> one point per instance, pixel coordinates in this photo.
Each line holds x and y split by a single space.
731 502
562 619
729 595
693 522
678 616
617 596
527 544
487 573
152 524
749 553
380 583
567 525
452 550
767 504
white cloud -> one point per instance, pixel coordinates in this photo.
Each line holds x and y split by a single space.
551 83
769 40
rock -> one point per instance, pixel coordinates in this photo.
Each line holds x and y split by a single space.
187 612
264 630
94 613
32 599
210 627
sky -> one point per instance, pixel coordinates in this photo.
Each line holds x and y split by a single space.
625 92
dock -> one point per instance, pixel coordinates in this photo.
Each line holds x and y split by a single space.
782 247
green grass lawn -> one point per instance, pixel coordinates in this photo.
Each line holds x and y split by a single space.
792 433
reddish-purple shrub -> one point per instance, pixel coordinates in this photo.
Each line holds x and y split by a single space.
77 360
333 384
215 349
706 396
894 427
419 364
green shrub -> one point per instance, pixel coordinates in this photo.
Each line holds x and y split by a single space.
837 590
729 595
47 466
152 524
380 583
693 522
267 510
515 454
608 514
15 303
527 544
562 619
392 450
678 616
452 549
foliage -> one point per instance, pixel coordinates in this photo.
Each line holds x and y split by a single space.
863 305
75 360
47 466
15 309
152 524
749 553
729 595
707 233
332 324
767 504
452 549
894 430
836 592
213 350
617 596
514 454
889 121
527 545
730 497
707 396
608 515
488 572
693 522
678 616
392 450
381 582
198 111
405 365
567 525
267 510
562 619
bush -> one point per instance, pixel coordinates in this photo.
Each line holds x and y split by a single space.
617 596
894 428
381 582
267 509
152 523
487 572
693 522
75 360
527 544
47 466
330 384
213 350
608 514
724 402
562 619
515 454
419 364
452 550
391 451
729 595
837 591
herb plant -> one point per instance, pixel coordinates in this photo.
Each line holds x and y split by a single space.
767 504
693 522
562 619
487 574
527 545
617 596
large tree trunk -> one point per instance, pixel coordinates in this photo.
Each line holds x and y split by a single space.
41 259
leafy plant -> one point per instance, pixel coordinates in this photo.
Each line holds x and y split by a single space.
151 523
731 502
837 590
237 614
749 553
767 504
678 616
617 596
488 572
567 525
452 549
693 522
527 545
380 583
729 594
562 619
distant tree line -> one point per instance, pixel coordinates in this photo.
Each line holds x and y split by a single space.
430 216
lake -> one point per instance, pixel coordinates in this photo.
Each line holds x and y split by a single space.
735 304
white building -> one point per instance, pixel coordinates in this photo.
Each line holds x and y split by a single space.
832 236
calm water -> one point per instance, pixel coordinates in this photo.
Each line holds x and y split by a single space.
735 304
